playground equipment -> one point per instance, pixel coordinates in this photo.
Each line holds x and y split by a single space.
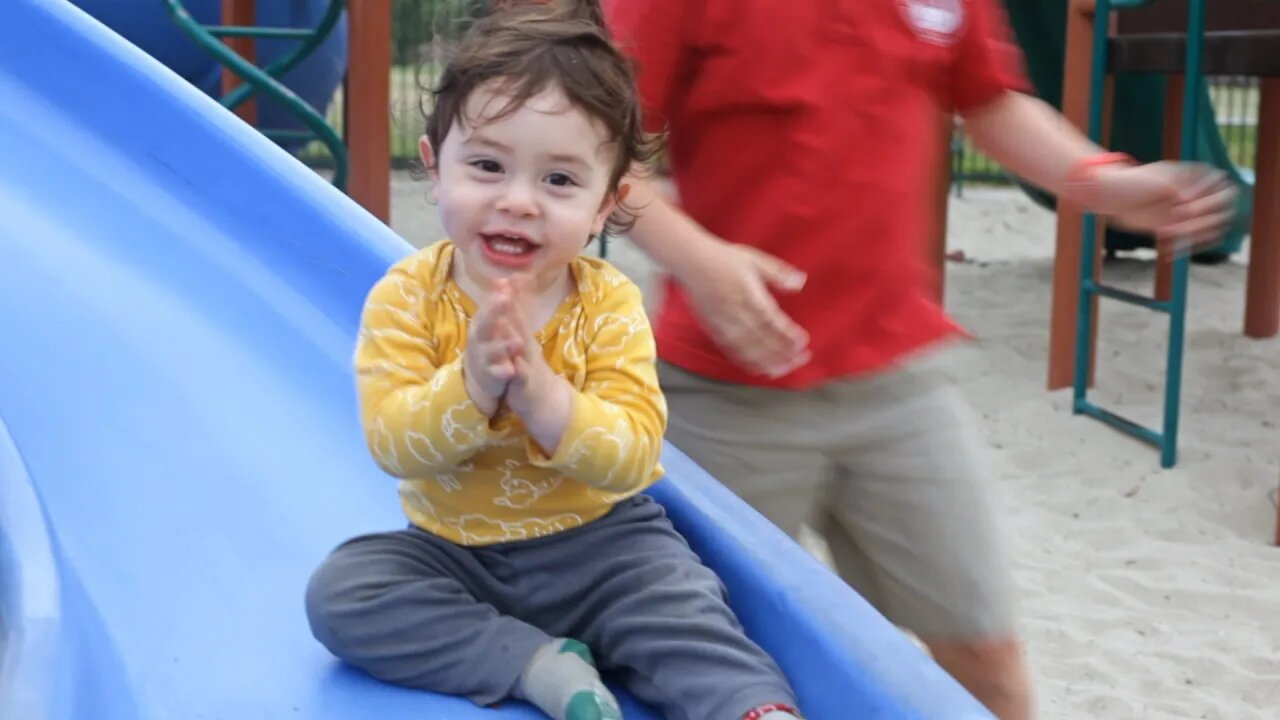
1176 305
178 443
1174 38
311 76
1135 123
355 55
265 82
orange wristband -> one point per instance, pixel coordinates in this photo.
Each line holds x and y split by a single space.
1079 184
1084 165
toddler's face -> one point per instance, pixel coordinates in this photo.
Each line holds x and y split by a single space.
522 193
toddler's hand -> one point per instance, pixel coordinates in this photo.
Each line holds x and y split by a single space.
532 377
493 344
541 398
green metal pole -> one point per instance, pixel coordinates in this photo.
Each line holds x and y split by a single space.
1088 239
284 64
1194 79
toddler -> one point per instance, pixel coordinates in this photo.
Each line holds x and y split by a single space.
510 384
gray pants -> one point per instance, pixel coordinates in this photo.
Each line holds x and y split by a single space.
412 609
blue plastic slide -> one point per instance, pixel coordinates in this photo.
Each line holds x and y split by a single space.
179 445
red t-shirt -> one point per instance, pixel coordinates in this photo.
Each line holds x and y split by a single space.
810 130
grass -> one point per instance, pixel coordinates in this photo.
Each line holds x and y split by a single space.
1242 143
1234 104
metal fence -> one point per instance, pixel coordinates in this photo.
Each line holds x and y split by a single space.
422 30
1235 104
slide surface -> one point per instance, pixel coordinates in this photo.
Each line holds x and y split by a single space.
179 445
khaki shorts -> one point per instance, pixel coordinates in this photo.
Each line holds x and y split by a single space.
889 471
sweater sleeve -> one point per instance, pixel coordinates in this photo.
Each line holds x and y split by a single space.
418 417
618 418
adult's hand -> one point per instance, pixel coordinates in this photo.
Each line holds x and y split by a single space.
731 287
1183 204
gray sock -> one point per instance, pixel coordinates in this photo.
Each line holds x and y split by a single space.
562 681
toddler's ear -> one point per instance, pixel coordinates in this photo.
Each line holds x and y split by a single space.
608 205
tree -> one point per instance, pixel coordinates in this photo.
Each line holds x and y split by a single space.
417 23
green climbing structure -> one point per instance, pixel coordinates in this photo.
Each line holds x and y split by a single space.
266 80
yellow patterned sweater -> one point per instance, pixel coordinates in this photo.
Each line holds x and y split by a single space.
478 481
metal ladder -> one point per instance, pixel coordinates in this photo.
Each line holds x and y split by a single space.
266 80
1166 439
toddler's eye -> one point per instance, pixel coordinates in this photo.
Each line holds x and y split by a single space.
560 180
489 166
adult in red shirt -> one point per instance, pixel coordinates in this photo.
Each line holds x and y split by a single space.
804 142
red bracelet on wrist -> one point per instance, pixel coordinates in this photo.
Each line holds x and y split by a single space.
763 710
1080 183
1084 165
